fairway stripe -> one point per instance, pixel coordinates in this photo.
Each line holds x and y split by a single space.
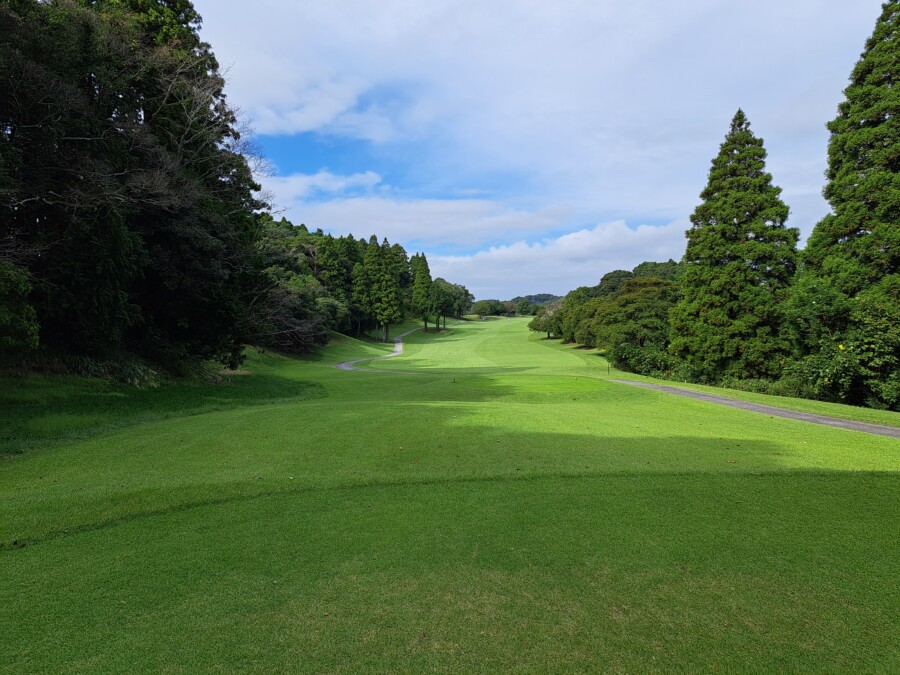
852 425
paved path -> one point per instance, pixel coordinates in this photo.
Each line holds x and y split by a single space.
880 429
398 350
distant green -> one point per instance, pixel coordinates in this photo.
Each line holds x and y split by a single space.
505 508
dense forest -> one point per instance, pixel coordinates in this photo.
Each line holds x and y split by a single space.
132 236
744 307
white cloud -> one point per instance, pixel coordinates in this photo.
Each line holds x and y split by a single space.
290 189
418 224
557 265
602 110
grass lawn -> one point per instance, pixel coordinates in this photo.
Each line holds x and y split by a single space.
508 508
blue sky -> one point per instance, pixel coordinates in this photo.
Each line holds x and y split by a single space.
527 146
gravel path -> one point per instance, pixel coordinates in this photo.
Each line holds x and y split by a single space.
880 429
398 350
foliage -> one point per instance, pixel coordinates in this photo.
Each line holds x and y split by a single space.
548 320
125 170
421 292
18 320
446 299
611 282
573 310
525 308
852 259
661 270
738 264
383 271
540 299
488 308
632 325
859 243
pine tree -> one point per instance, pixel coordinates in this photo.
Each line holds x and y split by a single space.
739 261
849 300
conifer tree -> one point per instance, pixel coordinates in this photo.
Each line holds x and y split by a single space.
859 243
361 297
421 304
848 304
739 261
384 278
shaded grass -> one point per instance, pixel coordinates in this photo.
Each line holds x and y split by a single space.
39 411
474 428
601 573
509 509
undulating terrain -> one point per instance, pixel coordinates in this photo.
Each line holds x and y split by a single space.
490 501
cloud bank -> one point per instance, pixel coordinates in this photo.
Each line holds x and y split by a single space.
548 266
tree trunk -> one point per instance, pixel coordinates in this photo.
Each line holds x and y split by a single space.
426 323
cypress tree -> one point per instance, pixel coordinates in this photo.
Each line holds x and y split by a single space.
389 307
384 276
421 287
848 304
859 243
361 297
739 261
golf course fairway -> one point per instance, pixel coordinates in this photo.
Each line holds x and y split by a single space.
486 501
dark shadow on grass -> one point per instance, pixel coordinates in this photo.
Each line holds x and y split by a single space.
694 570
48 411
453 454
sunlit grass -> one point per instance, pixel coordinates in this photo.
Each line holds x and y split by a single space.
507 509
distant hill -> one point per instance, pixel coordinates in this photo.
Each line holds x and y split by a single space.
539 299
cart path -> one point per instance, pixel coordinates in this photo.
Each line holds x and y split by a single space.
398 350
852 425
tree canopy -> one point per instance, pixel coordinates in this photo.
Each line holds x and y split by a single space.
847 300
130 223
738 264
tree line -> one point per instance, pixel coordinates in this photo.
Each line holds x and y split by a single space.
744 307
130 227
314 283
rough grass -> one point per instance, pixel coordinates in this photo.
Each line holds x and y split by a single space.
506 510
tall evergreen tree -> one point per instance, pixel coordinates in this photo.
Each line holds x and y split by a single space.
848 303
421 304
389 305
384 278
739 261
859 243
361 297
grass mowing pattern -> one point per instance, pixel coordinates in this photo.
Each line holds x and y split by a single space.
495 514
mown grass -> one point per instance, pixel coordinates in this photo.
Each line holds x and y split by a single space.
597 363
507 509
38 411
